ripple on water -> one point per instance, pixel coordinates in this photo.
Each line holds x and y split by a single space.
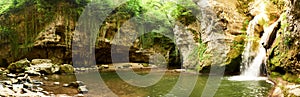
246 78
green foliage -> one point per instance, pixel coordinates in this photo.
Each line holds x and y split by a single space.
200 52
287 40
9 35
275 74
154 16
243 6
291 78
24 19
279 3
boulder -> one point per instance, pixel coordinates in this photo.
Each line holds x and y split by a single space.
47 68
19 66
76 84
66 68
83 89
40 61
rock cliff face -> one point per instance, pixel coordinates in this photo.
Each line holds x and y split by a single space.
49 32
222 29
284 56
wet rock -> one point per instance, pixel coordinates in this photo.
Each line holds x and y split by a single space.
83 89
76 84
14 80
45 92
1 86
80 83
28 85
47 68
33 73
153 66
27 91
19 66
21 75
180 70
296 92
127 66
29 79
65 85
17 87
37 82
46 78
6 82
6 92
40 61
66 68
11 75
23 78
38 89
63 95
56 83
105 66
79 95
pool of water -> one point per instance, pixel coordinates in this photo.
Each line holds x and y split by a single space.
113 85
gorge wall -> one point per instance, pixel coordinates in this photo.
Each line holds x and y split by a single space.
45 29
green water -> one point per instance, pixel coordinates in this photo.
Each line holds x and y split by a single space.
121 88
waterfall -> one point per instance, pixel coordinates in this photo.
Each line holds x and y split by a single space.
248 53
251 67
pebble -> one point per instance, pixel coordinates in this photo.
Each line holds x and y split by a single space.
45 92
79 95
56 83
105 66
46 78
37 82
65 85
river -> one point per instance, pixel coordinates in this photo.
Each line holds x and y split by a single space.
227 88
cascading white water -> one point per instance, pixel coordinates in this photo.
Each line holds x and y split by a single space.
248 53
251 68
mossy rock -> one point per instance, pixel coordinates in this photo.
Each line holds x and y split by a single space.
19 66
66 69
291 78
234 56
275 74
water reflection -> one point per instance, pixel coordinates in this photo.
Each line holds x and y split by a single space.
123 89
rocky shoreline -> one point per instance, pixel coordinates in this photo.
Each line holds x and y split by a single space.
29 79
284 89
37 77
